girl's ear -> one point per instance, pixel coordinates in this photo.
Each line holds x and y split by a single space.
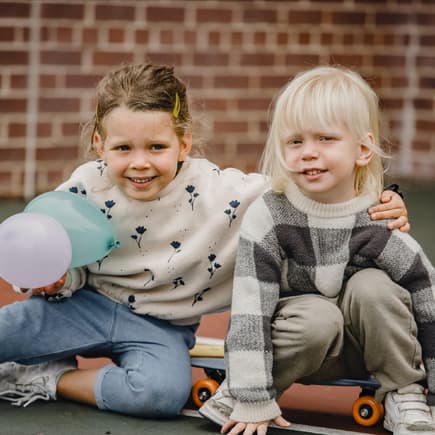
365 153
185 146
97 141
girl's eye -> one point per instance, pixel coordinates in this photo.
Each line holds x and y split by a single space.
294 142
326 138
122 148
157 147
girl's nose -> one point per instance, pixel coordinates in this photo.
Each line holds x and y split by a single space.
140 160
310 150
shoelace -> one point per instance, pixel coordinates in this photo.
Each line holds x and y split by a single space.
415 405
25 394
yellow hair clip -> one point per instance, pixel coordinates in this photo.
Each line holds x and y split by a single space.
177 106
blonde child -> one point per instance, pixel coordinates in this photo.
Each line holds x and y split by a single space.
312 298
177 219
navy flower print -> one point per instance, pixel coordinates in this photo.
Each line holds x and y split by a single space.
231 212
176 246
193 195
75 189
140 230
199 296
214 266
178 281
109 204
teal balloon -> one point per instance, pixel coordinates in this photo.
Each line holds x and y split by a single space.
91 234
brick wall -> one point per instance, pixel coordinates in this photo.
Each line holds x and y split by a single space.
234 56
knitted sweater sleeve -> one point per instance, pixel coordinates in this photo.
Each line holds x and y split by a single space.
406 263
249 353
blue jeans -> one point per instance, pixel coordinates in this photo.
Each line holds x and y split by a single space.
152 376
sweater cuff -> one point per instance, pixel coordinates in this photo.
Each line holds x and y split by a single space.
253 412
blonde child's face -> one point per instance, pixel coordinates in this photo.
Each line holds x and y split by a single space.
322 162
141 150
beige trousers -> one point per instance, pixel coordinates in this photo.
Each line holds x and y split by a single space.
371 331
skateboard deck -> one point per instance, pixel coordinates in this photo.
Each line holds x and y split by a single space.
209 356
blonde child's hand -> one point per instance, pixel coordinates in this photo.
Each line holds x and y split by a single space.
232 427
50 289
392 207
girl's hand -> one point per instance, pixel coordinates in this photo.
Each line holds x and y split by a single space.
50 289
392 207
260 427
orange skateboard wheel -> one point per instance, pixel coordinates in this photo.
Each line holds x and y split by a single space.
202 390
367 411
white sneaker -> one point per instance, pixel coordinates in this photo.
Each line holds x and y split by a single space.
24 384
407 413
219 407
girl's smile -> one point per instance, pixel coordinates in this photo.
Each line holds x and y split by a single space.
142 151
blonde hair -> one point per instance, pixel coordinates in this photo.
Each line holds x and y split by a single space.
139 87
325 96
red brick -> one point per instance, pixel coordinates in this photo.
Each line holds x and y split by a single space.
426 19
62 10
167 37
165 14
253 104
427 82
59 152
216 104
214 15
304 17
304 38
81 80
44 129
275 81
426 61
17 129
111 58
14 105
141 36
210 59
425 125
112 12
257 59
61 57
116 35
17 154
47 81
302 59
18 81
13 57
214 38
231 126
231 81
427 40
70 129
14 10
64 34
260 38
89 36
392 18
423 103
7 33
236 38
349 18
161 57
59 104
348 60
389 60
259 15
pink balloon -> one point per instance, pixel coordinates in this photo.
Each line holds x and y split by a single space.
35 250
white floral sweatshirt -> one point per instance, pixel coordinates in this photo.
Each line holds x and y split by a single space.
176 255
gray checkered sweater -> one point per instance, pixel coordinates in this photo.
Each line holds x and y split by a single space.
290 245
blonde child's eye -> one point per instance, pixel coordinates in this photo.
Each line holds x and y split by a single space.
326 138
294 142
122 147
157 147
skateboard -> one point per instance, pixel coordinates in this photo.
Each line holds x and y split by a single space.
209 356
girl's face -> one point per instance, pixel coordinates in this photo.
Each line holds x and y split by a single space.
322 163
141 150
